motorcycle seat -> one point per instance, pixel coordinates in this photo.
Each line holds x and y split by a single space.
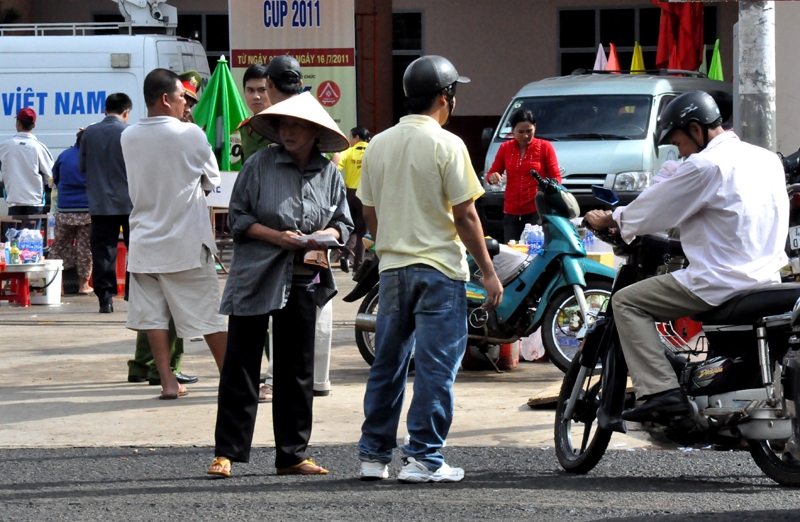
749 307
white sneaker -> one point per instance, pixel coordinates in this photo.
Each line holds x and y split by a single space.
417 473
374 470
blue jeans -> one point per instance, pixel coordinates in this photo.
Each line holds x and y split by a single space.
416 302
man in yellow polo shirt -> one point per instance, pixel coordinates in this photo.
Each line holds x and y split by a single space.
350 165
418 189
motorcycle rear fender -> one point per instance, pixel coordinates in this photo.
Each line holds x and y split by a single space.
574 271
370 278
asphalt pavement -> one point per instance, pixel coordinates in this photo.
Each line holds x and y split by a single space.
78 442
145 484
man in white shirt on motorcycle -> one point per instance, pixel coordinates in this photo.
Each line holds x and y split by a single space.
729 200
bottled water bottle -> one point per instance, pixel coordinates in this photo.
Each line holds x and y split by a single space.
37 245
525 237
24 240
538 238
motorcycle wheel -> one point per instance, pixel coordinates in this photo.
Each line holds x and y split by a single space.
559 341
781 467
366 340
583 425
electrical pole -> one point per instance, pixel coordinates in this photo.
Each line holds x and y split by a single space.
756 79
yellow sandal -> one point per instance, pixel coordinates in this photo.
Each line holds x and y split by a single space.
297 469
221 462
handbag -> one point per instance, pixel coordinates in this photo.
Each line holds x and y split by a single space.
316 258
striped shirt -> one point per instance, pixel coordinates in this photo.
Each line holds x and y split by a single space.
273 191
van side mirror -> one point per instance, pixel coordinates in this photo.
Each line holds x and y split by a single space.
486 137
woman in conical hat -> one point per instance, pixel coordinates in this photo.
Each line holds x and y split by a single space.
281 194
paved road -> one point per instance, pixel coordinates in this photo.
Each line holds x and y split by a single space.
502 484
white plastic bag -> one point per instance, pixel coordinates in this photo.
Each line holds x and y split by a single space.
531 348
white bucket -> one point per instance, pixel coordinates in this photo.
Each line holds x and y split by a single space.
46 284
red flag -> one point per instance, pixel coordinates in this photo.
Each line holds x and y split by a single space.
613 61
674 60
682 27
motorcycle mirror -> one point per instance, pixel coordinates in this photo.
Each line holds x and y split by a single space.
605 195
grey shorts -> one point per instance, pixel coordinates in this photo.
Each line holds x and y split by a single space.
190 297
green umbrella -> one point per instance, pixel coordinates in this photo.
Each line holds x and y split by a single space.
219 112
715 71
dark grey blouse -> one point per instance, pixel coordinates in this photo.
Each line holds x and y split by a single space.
272 190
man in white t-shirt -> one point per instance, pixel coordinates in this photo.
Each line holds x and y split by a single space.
27 166
170 166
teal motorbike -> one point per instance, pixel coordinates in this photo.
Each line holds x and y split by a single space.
557 288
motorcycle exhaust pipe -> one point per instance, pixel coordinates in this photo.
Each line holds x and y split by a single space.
366 322
492 340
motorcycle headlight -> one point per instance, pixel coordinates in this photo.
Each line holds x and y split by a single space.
632 181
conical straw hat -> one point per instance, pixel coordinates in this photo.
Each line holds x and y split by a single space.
305 107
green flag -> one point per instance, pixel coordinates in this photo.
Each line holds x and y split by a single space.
715 71
219 112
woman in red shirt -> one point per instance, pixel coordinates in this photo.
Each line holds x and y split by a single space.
517 158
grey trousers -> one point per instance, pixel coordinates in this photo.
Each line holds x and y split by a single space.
636 310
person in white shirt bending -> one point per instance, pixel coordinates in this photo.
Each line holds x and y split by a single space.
729 200
170 165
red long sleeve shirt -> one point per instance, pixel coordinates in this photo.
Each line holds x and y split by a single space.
521 187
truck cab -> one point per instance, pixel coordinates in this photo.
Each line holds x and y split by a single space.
602 128
64 72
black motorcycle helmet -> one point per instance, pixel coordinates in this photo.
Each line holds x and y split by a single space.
430 75
697 106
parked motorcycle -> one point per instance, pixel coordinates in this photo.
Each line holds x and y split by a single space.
744 390
557 289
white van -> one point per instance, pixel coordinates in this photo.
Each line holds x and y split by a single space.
66 79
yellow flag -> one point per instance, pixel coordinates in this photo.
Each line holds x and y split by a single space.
638 59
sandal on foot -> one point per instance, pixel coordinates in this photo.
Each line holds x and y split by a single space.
222 462
265 393
307 467
182 393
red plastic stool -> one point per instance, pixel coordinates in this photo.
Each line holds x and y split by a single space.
18 290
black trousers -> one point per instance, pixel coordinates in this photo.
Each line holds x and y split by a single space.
103 242
24 210
293 395
354 246
514 225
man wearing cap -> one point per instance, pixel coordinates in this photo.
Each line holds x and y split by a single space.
142 367
191 82
417 206
26 165
107 191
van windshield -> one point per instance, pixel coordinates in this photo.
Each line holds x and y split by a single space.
584 117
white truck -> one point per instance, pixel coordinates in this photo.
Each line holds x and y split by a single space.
65 71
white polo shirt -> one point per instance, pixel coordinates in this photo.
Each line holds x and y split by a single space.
169 165
26 164
731 205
